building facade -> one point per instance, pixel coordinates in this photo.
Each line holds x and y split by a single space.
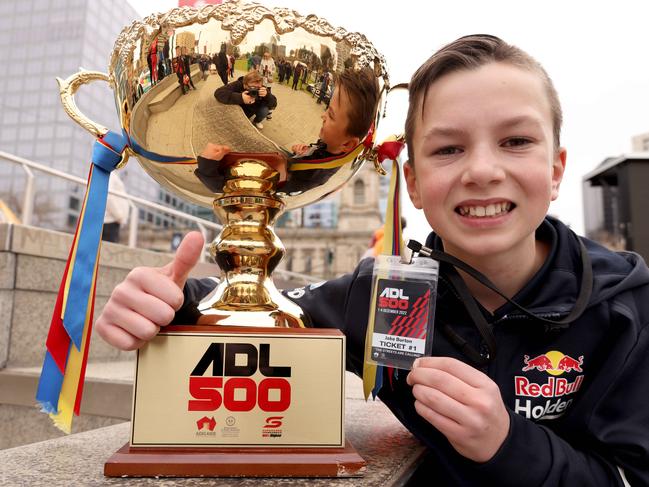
42 40
640 143
616 201
330 251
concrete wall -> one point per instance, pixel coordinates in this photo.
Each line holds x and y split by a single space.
32 261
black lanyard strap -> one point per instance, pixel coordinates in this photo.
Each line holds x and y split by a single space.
478 318
585 289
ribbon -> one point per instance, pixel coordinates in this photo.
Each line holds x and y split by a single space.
328 163
392 245
60 386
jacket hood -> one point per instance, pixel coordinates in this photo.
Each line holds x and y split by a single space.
555 287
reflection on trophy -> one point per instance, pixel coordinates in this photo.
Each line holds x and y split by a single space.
256 111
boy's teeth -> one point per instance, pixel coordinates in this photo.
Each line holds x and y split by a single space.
482 211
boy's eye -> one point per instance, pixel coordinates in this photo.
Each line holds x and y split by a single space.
447 151
517 142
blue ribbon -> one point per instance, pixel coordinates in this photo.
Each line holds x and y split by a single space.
152 156
104 159
49 385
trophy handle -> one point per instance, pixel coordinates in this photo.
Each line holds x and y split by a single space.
69 87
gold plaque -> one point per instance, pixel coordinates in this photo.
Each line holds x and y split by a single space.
246 389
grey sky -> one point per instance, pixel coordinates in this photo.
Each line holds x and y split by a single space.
596 53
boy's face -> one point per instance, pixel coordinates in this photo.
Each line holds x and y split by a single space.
335 122
485 166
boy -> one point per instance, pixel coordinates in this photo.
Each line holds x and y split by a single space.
348 118
250 93
344 124
556 405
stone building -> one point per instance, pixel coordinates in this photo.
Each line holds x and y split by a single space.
332 251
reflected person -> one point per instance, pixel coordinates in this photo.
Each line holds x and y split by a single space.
344 124
221 61
249 92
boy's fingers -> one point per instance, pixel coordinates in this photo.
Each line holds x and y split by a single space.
145 281
185 259
455 367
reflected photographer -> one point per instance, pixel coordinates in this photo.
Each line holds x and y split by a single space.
250 93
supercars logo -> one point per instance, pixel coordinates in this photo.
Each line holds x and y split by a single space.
272 427
550 399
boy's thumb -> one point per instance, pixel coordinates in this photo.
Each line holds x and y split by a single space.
187 255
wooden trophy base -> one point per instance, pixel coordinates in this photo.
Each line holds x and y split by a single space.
235 462
239 402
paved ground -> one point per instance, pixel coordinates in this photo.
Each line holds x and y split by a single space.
295 120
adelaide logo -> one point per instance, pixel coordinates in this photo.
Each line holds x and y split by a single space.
209 423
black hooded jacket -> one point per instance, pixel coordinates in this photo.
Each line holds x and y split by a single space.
585 425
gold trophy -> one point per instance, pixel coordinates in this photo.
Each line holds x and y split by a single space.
249 389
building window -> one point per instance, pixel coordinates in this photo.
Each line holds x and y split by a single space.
74 203
359 192
308 262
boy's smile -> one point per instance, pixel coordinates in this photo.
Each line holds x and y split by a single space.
485 166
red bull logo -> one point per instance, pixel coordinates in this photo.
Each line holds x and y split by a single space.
552 398
553 362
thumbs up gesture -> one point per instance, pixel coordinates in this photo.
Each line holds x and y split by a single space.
148 298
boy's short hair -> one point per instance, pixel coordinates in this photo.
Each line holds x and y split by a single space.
471 52
252 77
362 89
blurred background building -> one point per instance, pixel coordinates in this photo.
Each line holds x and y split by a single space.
42 40
616 200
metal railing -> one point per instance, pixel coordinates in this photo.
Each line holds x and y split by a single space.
135 203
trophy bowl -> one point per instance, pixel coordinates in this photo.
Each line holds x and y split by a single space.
251 111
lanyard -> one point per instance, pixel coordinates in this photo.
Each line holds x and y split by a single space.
585 291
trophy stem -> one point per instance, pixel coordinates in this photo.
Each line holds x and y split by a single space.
247 250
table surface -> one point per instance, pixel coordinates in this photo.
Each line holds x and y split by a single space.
391 452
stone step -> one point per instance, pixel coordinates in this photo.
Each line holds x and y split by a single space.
107 399
107 390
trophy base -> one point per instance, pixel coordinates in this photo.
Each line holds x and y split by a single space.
235 462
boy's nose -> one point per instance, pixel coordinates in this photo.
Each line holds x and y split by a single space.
483 168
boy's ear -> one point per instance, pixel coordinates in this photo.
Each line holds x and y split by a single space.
411 184
558 168
350 144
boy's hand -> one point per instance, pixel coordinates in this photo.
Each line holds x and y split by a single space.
263 92
462 403
148 298
247 99
215 152
299 149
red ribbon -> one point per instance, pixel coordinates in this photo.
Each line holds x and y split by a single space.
390 150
